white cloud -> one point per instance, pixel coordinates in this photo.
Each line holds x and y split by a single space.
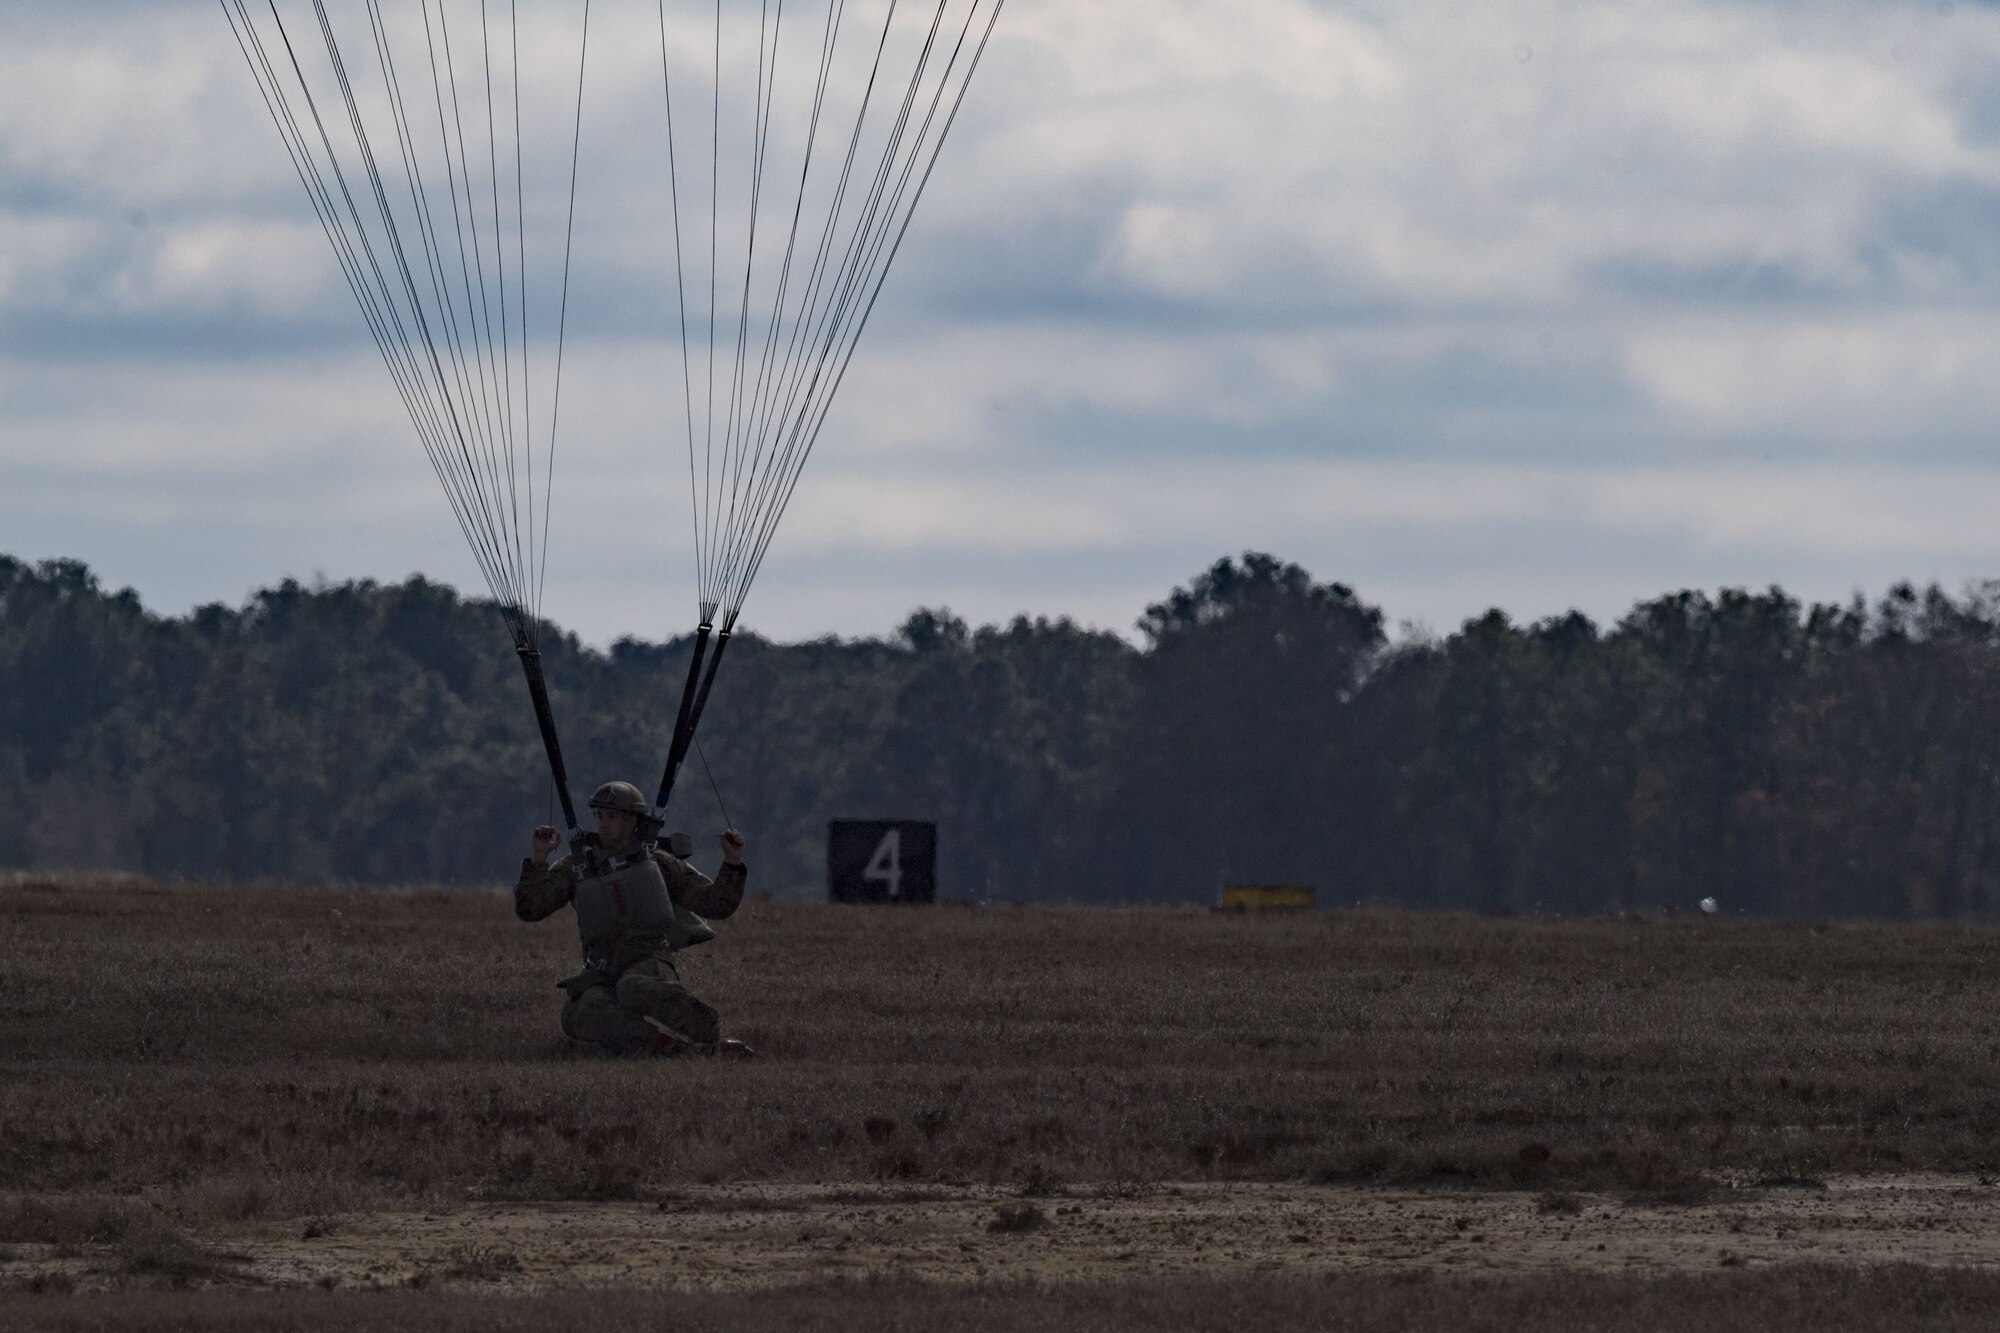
1866 509
1594 538
1854 380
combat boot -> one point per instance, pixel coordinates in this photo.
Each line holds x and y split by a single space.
671 1046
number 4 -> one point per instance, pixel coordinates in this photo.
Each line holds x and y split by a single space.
886 865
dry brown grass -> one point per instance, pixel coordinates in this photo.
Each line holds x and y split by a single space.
1789 1300
133 1241
229 1054
75 1220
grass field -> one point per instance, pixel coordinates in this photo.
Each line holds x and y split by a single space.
183 1064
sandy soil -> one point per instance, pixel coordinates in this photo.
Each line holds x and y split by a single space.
740 1237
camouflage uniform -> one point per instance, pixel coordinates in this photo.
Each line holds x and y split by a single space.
629 973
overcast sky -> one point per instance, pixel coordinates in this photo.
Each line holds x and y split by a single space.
1519 303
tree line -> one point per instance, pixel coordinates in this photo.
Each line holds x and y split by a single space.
1782 758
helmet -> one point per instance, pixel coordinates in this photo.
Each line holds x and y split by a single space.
621 796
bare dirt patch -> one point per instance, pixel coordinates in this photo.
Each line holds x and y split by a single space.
763 1237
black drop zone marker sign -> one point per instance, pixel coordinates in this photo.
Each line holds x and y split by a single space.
881 861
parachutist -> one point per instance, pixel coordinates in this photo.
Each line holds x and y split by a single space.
635 907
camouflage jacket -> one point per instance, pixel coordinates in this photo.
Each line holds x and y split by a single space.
545 889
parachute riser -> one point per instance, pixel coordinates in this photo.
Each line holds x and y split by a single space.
538 692
707 683
677 747
694 700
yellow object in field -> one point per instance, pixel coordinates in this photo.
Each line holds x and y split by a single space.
1267 898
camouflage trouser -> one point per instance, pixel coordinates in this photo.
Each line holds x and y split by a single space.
614 1016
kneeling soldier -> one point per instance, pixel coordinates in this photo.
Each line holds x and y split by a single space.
635 906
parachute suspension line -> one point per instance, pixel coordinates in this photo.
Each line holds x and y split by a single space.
767 76
449 320
569 246
478 355
826 318
714 234
896 91
815 320
877 239
378 302
804 320
704 491
709 773
500 272
521 296
680 284
785 273
695 691
464 423
746 573
710 533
